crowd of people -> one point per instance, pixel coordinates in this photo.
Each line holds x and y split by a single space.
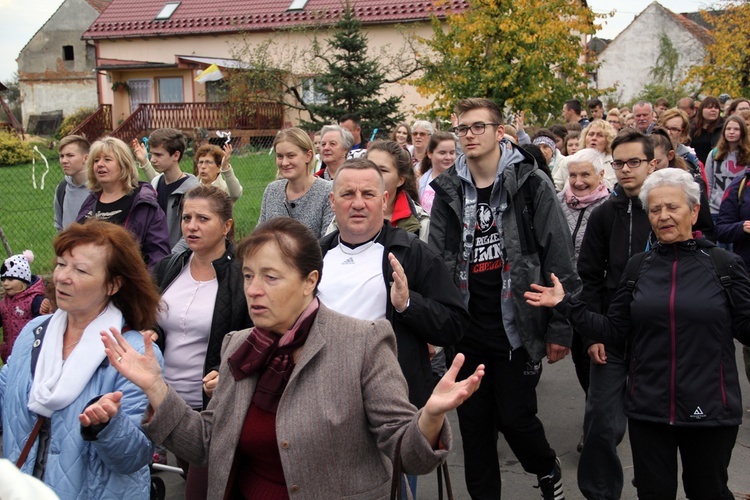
385 284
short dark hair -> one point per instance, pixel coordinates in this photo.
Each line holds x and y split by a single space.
359 164
351 116
662 101
631 135
594 103
295 241
573 105
559 130
170 139
472 103
137 298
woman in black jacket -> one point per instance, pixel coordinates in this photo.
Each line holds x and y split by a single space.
202 298
680 306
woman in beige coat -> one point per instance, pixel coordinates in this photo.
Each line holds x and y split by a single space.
309 402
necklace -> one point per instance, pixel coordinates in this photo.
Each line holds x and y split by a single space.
71 345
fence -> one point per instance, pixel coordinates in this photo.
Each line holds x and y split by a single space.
27 193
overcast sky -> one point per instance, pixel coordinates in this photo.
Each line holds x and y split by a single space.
21 19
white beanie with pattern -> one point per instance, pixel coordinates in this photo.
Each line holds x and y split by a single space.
17 267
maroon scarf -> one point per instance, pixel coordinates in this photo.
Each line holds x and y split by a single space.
271 355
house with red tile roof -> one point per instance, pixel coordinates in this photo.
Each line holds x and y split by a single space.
150 52
56 67
627 61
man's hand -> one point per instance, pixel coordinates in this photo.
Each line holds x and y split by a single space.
400 286
556 352
597 354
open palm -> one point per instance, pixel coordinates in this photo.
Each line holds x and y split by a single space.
545 296
141 369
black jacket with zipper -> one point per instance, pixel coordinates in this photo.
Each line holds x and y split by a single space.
681 324
617 229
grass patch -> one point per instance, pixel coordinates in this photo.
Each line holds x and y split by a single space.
27 214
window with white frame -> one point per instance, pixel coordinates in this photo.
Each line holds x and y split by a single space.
310 90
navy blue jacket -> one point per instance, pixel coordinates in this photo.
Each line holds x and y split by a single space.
732 214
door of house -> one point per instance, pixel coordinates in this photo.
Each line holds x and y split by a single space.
140 92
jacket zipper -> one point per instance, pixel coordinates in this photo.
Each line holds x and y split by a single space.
673 348
630 231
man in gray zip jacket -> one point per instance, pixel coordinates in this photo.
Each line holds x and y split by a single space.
499 227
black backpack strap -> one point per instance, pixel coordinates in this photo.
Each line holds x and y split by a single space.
60 191
723 261
524 207
36 347
633 270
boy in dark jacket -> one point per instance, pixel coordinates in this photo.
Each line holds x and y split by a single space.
617 230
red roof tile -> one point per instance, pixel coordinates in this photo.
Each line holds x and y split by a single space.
98 5
135 18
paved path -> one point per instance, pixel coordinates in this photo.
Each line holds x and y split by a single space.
561 410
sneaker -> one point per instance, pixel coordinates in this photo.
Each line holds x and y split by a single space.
550 486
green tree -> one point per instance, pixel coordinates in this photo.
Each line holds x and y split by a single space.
351 81
727 65
521 53
12 97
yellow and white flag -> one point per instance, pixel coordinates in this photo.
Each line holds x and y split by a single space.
210 74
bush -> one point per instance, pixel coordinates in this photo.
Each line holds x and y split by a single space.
72 121
13 150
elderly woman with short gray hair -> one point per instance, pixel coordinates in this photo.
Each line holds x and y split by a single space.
335 143
680 305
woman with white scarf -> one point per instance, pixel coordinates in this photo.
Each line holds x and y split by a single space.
51 388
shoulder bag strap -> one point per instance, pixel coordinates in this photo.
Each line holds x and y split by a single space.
30 442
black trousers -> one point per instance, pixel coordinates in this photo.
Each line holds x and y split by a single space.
705 453
505 402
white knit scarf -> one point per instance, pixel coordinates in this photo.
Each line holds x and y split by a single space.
56 383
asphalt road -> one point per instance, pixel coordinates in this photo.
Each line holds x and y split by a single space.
561 410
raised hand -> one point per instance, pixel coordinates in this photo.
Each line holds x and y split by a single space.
544 296
447 395
400 286
102 411
228 149
141 369
139 150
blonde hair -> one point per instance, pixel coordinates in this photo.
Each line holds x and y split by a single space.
125 159
607 129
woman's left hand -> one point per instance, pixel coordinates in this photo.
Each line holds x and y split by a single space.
447 395
102 411
227 153
545 296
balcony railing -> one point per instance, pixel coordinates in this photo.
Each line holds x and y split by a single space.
188 116
97 125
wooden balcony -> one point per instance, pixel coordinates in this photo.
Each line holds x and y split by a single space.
97 125
265 120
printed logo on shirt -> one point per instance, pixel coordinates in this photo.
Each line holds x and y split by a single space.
348 261
698 413
487 253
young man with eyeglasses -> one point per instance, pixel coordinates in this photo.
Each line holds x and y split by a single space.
616 230
499 227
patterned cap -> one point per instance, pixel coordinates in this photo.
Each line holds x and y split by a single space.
17 267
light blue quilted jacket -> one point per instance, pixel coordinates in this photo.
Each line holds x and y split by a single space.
115 466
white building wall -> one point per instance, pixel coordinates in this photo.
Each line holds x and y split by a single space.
628 59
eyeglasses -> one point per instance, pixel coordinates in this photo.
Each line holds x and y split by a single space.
206 162
631 163
675 130
419 134
476 129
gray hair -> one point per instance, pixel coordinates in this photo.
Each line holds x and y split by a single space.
423 124
347 139
588 155
671 177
